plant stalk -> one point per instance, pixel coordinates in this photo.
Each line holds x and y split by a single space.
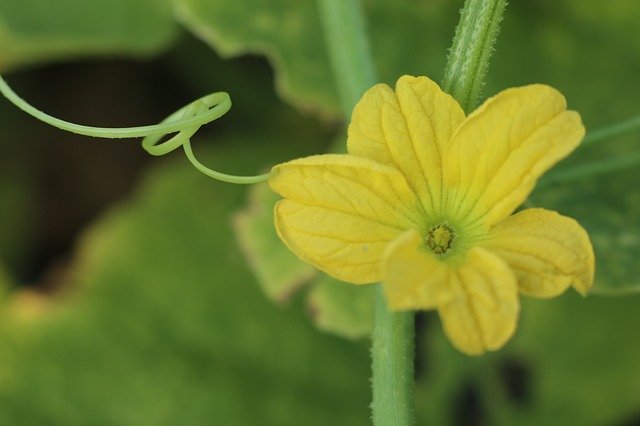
392 348
348 47
392 353
471 50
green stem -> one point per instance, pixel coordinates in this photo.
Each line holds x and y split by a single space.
392 353
471 50
594 168
602 166
605 292
611 131
392 348
348 48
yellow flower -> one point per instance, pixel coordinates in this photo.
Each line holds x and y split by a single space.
423 202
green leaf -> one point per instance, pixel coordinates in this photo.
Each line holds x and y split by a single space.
279 272
288 33
38 30
341 308
167 326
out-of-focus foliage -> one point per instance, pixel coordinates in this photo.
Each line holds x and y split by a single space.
159 320
4 283
559 369
32 31
341 308
171 328
14 192
289 33
277 269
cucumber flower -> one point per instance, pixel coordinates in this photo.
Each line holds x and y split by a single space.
424 203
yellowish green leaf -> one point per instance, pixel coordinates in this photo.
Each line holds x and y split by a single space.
341 308
278 271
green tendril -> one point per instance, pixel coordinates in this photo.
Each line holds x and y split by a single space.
185 122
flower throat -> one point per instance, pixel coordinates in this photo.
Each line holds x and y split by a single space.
440 238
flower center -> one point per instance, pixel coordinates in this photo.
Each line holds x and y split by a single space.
440 238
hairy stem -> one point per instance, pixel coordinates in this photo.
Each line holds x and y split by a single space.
392 353
471 50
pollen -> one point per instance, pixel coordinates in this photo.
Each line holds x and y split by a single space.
440 238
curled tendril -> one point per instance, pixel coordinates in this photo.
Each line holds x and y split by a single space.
185 122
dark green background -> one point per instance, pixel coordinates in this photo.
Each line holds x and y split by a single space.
127 299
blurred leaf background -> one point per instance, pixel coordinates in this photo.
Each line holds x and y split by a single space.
135 291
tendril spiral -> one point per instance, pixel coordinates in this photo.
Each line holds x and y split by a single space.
185 122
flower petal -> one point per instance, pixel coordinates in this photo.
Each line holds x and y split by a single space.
484 312
547 251
499 152
340 211
413 277
477 299
407 130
